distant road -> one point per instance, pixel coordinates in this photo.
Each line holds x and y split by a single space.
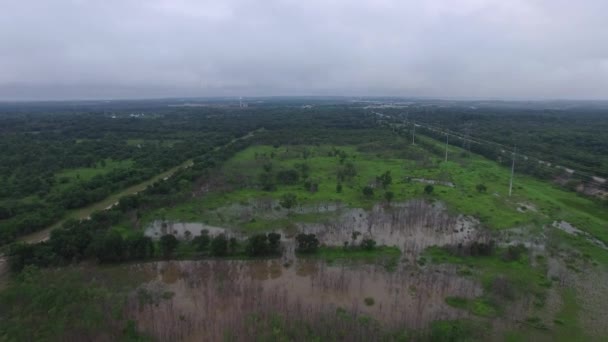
104 204
112 200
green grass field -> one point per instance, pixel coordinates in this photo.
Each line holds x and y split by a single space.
494 208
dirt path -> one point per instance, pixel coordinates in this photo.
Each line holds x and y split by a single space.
104 204
110 201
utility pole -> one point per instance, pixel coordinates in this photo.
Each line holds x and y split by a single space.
414 133
446 146
512 171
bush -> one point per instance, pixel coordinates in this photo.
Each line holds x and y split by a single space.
108 246
389 196
288 201
368 244
168 244
368 191
257 245
219 245
201 242
288 177
307 243
514 253
274 242
451 331
139 247
428 189
262 244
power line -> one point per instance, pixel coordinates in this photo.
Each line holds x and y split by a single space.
446 146
414 134
512 172
576 173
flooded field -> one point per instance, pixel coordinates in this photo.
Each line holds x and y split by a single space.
205 300
180 229
411 226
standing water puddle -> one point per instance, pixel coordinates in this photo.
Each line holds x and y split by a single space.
159 228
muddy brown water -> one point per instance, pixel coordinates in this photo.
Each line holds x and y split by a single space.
411 226
203 300
159 228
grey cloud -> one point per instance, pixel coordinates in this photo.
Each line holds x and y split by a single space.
70 49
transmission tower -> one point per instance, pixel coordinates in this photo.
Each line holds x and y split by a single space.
466 143
446 146
414 133
512 171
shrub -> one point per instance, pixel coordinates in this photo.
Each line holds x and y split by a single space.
168 243
514 253
368 191
201 242
288 177
219 245
307 243
428 189
288 201
368 244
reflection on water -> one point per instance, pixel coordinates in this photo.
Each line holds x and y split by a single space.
214 296
411 226
159 228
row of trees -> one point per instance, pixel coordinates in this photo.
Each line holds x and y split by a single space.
73 244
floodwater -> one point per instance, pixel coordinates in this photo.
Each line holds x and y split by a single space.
159 228
411 226
204 300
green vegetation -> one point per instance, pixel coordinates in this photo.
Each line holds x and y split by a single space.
503 277
456 331
92 183
381 255
263 245
307 243
65 303
567 326
105 166
491 206
478 306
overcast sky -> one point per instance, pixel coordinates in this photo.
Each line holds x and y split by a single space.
510 49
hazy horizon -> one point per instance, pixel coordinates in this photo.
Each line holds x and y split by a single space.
456 50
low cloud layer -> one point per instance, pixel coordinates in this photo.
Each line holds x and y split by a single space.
515 49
